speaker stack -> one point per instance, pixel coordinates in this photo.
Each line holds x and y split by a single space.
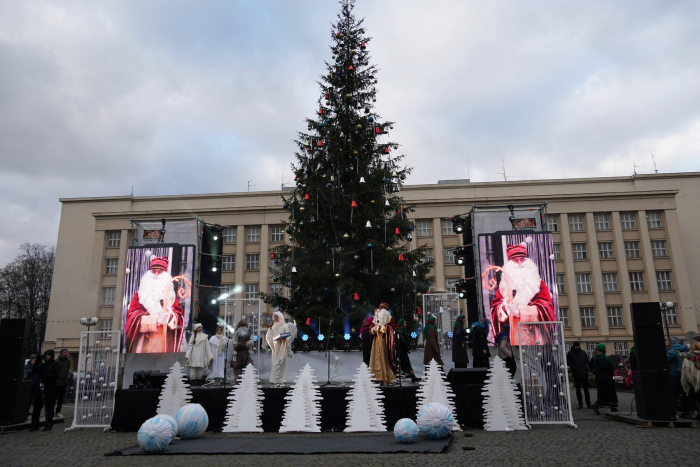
210 276
472 314
653 393
15 393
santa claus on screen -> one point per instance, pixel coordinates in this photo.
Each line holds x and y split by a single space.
155 320
521 295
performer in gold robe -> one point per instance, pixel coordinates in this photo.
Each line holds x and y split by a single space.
382 358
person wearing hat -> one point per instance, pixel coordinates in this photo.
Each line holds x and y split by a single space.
430 341
604 372
61 381
403 348
198 354
46 369
459 344
383 357
219 351
242 343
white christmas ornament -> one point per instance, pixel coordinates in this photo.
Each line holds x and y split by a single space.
405 431
192 421
169 420
303 409
435 420
154 435
434 388
175 393
502 409
365 408
244 410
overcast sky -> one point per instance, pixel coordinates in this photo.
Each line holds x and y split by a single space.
97 97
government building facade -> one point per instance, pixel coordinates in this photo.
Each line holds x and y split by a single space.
617 241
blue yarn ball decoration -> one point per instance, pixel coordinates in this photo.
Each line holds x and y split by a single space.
192 421
435 421
170 420
406 431
154 435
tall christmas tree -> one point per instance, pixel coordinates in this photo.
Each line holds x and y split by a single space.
350 241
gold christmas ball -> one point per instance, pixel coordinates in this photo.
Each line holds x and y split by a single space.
354 152
359 126
337 274
372 202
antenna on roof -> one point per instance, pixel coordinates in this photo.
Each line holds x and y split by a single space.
505 178
654 161
635 167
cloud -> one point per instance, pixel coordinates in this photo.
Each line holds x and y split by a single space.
98 97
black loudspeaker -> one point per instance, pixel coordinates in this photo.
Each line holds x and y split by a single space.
470 272
460 376
649 341
150 379
654 395
13 348
16 397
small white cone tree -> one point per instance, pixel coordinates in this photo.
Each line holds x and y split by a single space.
502 409
244 410
175 393
365 408
303 408
434 388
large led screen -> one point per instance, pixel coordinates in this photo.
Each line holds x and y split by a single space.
518 282
157 300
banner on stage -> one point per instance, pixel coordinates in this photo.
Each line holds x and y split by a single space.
518 280
157 299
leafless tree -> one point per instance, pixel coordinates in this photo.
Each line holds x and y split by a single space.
25 289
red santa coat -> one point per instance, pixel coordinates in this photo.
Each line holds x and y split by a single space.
137 340
542 300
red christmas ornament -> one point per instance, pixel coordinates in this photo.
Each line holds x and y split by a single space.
363 45
353 204
350 68
419 311
308 321
398 232
377 130
337 34
320 111
400 257
356 296
398 213
307 197
272 256
386 150
320 143
327 96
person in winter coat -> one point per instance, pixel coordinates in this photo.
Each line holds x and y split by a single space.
505 350
674 357
432 346
604 372
47 369
61 381
403 348
366 337
578 360
459 344
480 350
690 375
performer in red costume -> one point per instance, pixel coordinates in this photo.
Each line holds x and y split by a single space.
521 295
155 320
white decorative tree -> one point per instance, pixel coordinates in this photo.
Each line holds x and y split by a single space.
245 408
365 410
502 409
434 388
303 408
175 393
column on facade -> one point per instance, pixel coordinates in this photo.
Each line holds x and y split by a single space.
623 282
264 285
239 290
570 275
597 279
686 313
438 255
648 257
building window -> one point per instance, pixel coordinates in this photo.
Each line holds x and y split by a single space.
580 251
621 348
610 282
632 249
105 326
583 283
564 316
227 289
658 248
627 221
553 223
671 315
449 256
428 254
252 235
588 317
251 291
230 234
605 250
576 222
654 220
114 239
590 349
450 284
228 263
615 316
276 233
252 262
111 265
637 281
447 227
602 222
108 295
424 228
663 279
557 252
275 288
561 288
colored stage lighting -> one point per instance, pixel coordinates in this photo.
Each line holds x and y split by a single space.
321 337
449 334
346 336
414 335
304 337
255 338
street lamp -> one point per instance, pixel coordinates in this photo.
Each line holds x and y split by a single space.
666 306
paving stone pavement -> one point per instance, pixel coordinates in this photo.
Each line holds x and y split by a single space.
597 441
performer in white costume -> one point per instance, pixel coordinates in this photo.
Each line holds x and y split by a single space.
281 348
198 353
219 345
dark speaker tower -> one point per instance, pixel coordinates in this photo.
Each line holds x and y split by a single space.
13 348
649 342
459 376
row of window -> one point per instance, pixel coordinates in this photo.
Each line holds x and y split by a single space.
605 250
602 221
614 314
252 234
583 282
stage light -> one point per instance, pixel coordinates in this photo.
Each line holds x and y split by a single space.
216 237
213 268
255 338
461 287
213 301
414 335
449 334
346 336
469 330
458 224
321 337
304 337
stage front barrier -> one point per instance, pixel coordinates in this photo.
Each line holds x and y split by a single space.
446 308
98 369
545 379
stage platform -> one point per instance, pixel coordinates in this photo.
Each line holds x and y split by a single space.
135 406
